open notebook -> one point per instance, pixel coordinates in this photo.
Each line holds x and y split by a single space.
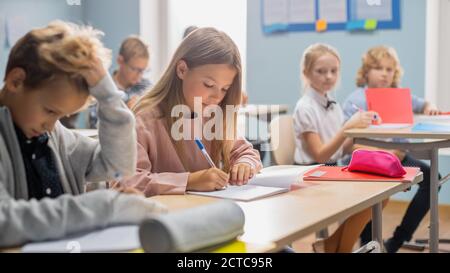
270 181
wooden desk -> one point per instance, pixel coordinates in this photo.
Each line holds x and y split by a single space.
284 218
272 223
428 150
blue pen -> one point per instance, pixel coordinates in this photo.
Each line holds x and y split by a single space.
204 152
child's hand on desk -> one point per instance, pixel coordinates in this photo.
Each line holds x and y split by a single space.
130 206
241 173
133 208
117 186
430 110
207 180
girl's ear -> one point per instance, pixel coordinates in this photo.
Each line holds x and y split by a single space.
182 68
15 79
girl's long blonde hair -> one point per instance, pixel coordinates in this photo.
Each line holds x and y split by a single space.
372 59
204 46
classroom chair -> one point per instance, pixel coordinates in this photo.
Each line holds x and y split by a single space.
282 140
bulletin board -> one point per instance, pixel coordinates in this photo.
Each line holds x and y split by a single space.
329 15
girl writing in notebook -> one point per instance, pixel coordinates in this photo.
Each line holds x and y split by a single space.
203 75
381 69
319 128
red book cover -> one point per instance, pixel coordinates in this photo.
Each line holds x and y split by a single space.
394 105
330 173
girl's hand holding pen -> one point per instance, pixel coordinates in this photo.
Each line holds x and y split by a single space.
207 180
362 119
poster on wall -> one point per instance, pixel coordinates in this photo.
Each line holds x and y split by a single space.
329 15
275 15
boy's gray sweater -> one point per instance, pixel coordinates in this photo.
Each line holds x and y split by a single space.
79 159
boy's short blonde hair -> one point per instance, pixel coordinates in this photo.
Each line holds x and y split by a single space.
134 47
372 59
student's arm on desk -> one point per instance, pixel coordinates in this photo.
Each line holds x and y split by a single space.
243 152
430 110
245 162
22 221
147 180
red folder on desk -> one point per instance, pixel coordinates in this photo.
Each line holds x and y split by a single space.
394 105
331 173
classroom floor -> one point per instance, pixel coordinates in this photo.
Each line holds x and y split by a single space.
392 216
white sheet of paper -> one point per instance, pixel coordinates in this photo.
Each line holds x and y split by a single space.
275 12
243 193
440 119
333 11
280 176
113 239
302 11
390 126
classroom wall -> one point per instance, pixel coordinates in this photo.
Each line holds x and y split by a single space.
116 18
33 13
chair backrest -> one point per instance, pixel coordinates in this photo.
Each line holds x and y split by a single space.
282 140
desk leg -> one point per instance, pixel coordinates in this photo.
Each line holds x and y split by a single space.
377 224
434 212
